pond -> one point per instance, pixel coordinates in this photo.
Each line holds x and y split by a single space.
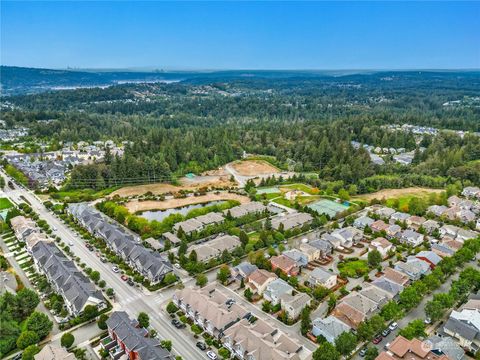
159 215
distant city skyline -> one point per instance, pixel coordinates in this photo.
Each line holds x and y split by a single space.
246 36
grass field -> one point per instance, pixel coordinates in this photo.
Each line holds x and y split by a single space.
354 268
5 204
398 193
301 187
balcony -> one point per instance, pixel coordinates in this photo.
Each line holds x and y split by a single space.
108 343
116 352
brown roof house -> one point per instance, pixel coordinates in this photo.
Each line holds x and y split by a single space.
258 280
287 265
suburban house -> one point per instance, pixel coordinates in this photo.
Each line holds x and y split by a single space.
242 271
66 280
126 338
414 268
253 207
294 304
259 340
348 315
334 241
174 240
442 250
464 325
396 276
377 295
324 246
449 230
415 221
22 227
437 210
301 260
384 212
389 286
148 263
214 248
447 346
414 349
430 226
285 264
454 200
379 226
311 252
209 309
292 220
382 245
199 223
330 328
400 217
464 235
394 231
322 277
471 192
51 352
361 303
275 290
348 236
430 257
411 237
259 279
363 221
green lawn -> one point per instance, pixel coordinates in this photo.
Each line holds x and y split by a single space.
301 187
5 204
16 174
354 268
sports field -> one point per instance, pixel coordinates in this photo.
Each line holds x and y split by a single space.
327 207
268 190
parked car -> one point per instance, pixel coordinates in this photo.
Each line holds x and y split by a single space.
103 260
212 355
393 326
115 269
130 282
124 277
427 321
363 352
201 345
385 332
70 243
387 345
377 340
178 324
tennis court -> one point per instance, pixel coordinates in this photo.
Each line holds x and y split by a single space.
328 207
268 190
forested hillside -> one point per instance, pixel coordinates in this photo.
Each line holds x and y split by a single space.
305 122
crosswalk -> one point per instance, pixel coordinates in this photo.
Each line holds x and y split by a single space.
157 299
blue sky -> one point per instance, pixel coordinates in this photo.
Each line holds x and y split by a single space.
234 35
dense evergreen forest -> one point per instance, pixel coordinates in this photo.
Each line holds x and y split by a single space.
306 123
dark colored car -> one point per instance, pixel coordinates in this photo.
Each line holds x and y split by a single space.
385 332
377 340
178 324
201 345
130 282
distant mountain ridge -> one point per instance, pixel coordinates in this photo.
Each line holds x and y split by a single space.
20 80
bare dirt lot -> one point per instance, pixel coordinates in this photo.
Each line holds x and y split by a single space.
196 183
394 193
254 168
136 205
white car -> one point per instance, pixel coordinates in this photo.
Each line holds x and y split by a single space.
393 326
70 243
54 228
115 269
212 355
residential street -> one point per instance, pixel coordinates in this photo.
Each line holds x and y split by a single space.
131 299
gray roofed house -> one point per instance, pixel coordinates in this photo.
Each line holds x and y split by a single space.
76 289
384 211
447 346
299 257
148 263
363 221
323 245
442 249
174 240
399 216
414 268
430 225
411 237
245 209
361 303
242 270
471 191
377 295
276 289
389 286
199 223
348 236
214 248
437 210
330 328
292 220
467 335
133 341
322 277
294 304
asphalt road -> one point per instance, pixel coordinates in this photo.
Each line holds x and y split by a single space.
130 299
